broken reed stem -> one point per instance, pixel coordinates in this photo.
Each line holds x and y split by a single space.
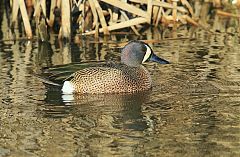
37 12
127 7
25 18
43 5
101 17
15 12
226 14
160 12
190 9
51 18
155 11
126 19
83 15
149 11
66 19
174 12
94 11
123 24
160 4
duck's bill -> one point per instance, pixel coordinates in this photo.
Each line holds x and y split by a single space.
157 59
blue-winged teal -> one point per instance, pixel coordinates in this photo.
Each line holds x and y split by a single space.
128 76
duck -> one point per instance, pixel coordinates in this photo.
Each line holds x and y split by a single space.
128 76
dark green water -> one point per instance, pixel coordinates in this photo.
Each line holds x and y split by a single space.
192 110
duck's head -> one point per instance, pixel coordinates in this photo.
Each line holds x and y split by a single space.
137 52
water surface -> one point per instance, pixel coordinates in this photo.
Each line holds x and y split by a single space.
192 110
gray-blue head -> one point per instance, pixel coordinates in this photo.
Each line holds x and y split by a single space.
137 52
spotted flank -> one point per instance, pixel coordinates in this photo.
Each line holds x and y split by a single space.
109 79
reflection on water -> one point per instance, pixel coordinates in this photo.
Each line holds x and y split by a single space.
193 108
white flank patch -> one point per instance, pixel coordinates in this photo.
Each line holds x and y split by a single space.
67 88
147 54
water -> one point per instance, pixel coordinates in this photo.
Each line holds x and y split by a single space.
192 110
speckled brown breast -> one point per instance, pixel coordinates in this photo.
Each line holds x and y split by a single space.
111 79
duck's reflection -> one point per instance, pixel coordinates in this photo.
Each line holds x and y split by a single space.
119 111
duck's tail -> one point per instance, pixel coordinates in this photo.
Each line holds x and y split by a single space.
46 81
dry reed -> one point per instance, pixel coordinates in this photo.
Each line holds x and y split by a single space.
105 16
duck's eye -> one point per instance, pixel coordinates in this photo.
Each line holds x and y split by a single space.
147 54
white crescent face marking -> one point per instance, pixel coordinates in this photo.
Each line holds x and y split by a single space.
147 54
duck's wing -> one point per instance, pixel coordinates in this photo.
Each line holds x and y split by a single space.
60 73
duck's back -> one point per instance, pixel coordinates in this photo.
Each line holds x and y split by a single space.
111 78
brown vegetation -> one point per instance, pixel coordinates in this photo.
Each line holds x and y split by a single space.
89 17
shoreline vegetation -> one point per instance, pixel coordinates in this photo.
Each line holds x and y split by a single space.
69 18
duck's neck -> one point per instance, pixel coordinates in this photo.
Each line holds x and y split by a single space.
131 64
